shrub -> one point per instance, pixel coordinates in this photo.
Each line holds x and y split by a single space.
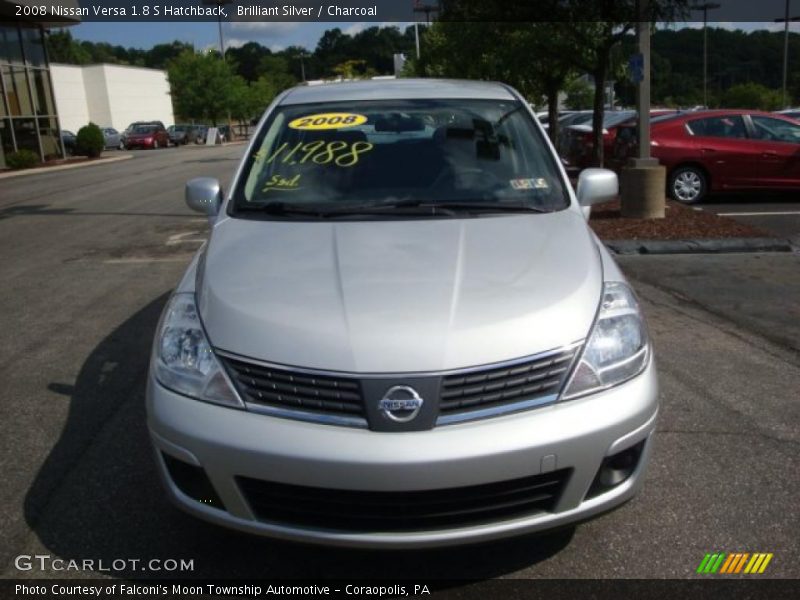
752 95
22 159
89 141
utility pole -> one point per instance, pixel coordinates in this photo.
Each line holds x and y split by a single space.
705 8
785 20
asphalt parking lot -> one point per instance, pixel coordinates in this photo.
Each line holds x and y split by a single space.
90 256
776 214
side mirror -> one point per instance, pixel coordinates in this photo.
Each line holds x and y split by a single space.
596 185
204 195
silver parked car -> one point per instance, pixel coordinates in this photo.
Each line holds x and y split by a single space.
112 137
401 332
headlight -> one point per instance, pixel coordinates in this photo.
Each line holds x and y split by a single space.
182 358
617 348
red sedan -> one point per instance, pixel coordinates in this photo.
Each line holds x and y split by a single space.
721 150
147 136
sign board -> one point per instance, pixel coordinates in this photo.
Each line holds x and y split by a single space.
211 136
636 66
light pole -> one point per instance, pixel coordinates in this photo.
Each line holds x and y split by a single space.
643 180
419 7
220 3
785 20
705 8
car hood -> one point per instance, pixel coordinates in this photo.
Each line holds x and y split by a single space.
399 295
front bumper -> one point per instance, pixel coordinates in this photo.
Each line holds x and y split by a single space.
575 435
130 144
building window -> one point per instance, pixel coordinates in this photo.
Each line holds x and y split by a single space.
26 94
3 108
42 94
25 134
19 97
51 141
33 46
10 47
6 143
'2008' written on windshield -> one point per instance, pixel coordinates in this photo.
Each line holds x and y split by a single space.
340 153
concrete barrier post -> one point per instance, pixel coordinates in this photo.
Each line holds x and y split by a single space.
643 191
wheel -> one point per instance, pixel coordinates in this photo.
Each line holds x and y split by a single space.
122 145
688 185
155 144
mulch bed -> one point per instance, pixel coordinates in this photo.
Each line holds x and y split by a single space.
680 223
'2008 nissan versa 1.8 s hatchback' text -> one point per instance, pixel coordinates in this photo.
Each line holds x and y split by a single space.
401 332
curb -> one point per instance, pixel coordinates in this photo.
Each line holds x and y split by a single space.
225 145
699 246
79 165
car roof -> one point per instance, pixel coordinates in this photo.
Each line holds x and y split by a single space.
397 89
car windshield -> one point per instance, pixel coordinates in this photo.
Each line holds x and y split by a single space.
401 153
611 119
144 129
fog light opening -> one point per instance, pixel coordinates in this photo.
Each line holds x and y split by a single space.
192 481
616 469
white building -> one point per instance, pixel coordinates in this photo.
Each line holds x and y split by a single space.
110 95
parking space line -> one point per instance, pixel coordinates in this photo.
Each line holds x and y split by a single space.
133 261
759 214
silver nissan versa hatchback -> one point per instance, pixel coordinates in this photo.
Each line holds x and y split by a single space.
401 332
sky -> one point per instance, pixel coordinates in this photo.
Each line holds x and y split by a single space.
274 35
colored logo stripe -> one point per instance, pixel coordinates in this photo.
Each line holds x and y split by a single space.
735 562
711 563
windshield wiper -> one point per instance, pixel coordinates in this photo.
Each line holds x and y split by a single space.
284 208
467 206
400 207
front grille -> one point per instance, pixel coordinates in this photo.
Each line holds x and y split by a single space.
358 511
288 389
500 386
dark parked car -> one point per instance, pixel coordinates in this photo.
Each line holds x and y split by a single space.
722 150
201 131
68 139
151 135
182 134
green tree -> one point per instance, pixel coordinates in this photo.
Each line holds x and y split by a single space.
201 86
535 58
63 49
247 59
159 56
276 68
580 94
353 69
752 95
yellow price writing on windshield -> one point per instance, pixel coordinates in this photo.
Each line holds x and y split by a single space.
328 121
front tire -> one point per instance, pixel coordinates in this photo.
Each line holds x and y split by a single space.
688 185
155 144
